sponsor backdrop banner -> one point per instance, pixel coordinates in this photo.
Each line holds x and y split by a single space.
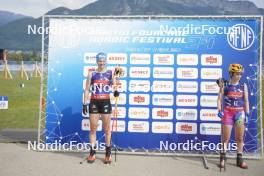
168 93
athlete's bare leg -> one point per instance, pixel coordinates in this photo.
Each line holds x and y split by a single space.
93 127
106 118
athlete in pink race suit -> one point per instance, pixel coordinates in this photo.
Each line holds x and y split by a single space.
234 112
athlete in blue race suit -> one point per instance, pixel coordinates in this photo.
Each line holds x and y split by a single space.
99 83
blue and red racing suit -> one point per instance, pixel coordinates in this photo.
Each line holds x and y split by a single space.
100 96
233 103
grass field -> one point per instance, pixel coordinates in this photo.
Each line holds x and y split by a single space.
23 103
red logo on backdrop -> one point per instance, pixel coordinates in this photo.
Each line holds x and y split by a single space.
209 114
211 60
210 87
139 99
138 126
163 113
187 100
186 128
116 58
187 73
139 72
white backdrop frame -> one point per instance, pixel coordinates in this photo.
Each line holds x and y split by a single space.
44 75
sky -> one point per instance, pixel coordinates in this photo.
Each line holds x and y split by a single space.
37 8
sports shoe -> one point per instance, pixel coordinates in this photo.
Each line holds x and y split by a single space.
240 162
91 159
108 158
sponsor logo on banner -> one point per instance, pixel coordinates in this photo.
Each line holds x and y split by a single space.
162 100
209 87
187 73
139 86
121 99
118 126
209 115
117 58
139 99
211 73
210 128
186 128
162 127
162 86
187 86
88 69
163 72
211 59
162 113
163 59
186 100
241 37
123 68
121 112
138 113
139 72
143 59
90 58
3 102
208 101
86 125
187 59
138 127
186 114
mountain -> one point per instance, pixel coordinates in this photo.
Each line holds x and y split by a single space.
60 11
6 17
14 34
169 7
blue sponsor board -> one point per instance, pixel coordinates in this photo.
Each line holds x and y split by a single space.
168 91
3 102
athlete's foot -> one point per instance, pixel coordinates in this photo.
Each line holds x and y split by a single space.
222 160
91 159
240 162
243 165
222 164
107 159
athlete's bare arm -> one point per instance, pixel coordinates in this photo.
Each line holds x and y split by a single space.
87 88
219 99
246 98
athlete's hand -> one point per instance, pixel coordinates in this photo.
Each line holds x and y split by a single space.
85 109
220 114
119 72
116 93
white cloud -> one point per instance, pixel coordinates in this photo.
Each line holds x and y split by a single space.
37 8
259 3
72 4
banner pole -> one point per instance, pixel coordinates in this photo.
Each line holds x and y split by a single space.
260 84
41 81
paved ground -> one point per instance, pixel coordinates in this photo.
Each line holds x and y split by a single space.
16 159
18 135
